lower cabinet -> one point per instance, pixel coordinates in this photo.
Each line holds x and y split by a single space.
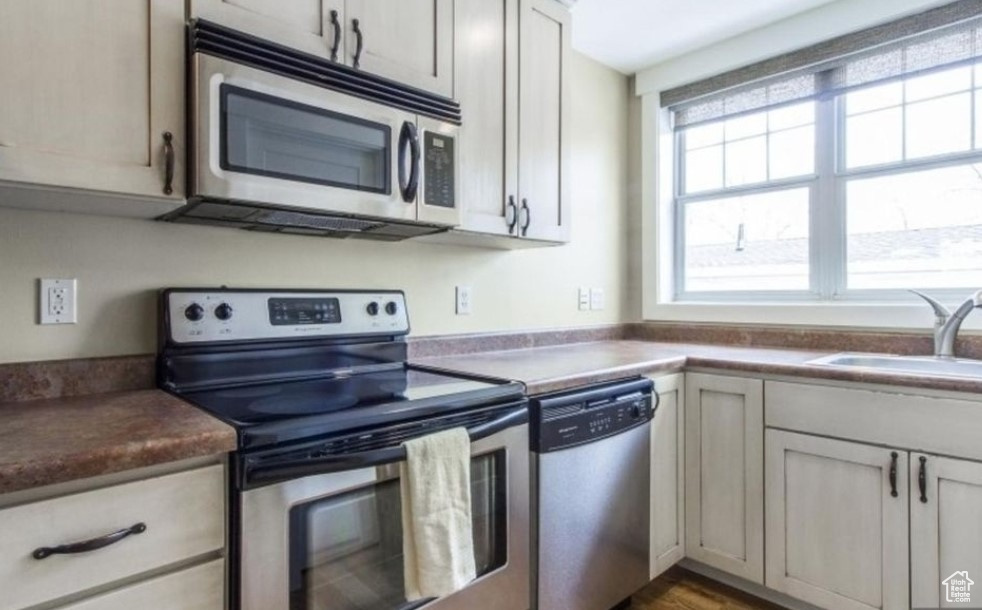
198 588
724 465
945 532
158 536
836 524
668 475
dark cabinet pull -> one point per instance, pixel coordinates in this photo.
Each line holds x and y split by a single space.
528 217
893 474
88 545
336 23
511 214
359 42
168 163
922 479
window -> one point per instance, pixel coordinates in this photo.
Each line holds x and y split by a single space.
746 189
843 184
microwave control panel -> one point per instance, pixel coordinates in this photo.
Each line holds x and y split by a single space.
439 170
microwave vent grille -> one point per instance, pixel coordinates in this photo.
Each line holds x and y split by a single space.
285 218
233 45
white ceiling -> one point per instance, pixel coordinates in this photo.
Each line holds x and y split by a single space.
633 34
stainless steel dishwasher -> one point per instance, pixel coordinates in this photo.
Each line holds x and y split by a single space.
590 483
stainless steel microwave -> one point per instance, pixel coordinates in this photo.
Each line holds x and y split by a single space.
270 151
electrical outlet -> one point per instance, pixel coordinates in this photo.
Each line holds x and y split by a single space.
597 299
57 301
463 300
584 299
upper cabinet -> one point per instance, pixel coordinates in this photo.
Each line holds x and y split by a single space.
512 82
543 175
92 93
306 25
486 85
410 41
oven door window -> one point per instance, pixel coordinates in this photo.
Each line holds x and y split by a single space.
346 550
269 136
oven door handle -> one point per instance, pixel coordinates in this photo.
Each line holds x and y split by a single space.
255 475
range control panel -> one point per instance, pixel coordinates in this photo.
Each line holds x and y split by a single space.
207 316
561 426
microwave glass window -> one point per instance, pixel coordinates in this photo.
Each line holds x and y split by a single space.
269 136
346 550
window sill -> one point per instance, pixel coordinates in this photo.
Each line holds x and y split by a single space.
834 314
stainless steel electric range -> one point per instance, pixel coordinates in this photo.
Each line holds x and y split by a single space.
318 387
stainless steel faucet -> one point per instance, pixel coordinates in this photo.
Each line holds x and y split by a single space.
946 324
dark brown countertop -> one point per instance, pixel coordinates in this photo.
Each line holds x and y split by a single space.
62 439
547 369
55 440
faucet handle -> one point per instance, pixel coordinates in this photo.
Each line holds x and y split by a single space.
941 312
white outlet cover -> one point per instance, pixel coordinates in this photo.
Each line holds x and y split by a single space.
464 303
57 302
584 299
597 299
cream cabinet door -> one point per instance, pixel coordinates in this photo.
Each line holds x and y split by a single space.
88 88
311 26
946 532
199 588
837 522
724 481
486 85
410 41
544 119
668 475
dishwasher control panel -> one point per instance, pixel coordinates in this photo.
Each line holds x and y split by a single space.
567 421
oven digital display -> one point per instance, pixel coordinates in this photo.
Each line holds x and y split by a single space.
292 312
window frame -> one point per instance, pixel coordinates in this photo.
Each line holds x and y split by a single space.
828 257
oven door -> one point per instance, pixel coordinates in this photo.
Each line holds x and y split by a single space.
334 541
268 139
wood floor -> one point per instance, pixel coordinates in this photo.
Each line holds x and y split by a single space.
680 589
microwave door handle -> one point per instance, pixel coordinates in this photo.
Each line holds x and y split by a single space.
256 475
415 164
409 177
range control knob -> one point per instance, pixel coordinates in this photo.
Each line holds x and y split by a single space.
223 311
194 312
392 308
636 411
372 308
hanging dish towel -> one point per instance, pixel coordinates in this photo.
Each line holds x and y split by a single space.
437 539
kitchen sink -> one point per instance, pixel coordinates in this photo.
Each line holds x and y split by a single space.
924 365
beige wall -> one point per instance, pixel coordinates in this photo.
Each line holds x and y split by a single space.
120 263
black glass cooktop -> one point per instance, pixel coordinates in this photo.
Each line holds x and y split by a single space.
289 410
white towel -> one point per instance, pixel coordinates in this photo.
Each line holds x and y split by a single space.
437 538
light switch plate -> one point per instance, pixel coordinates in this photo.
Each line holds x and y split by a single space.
57 301
463 300
584 299
597 299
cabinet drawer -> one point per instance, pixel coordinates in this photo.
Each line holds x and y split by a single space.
945 426
198 588
184 514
